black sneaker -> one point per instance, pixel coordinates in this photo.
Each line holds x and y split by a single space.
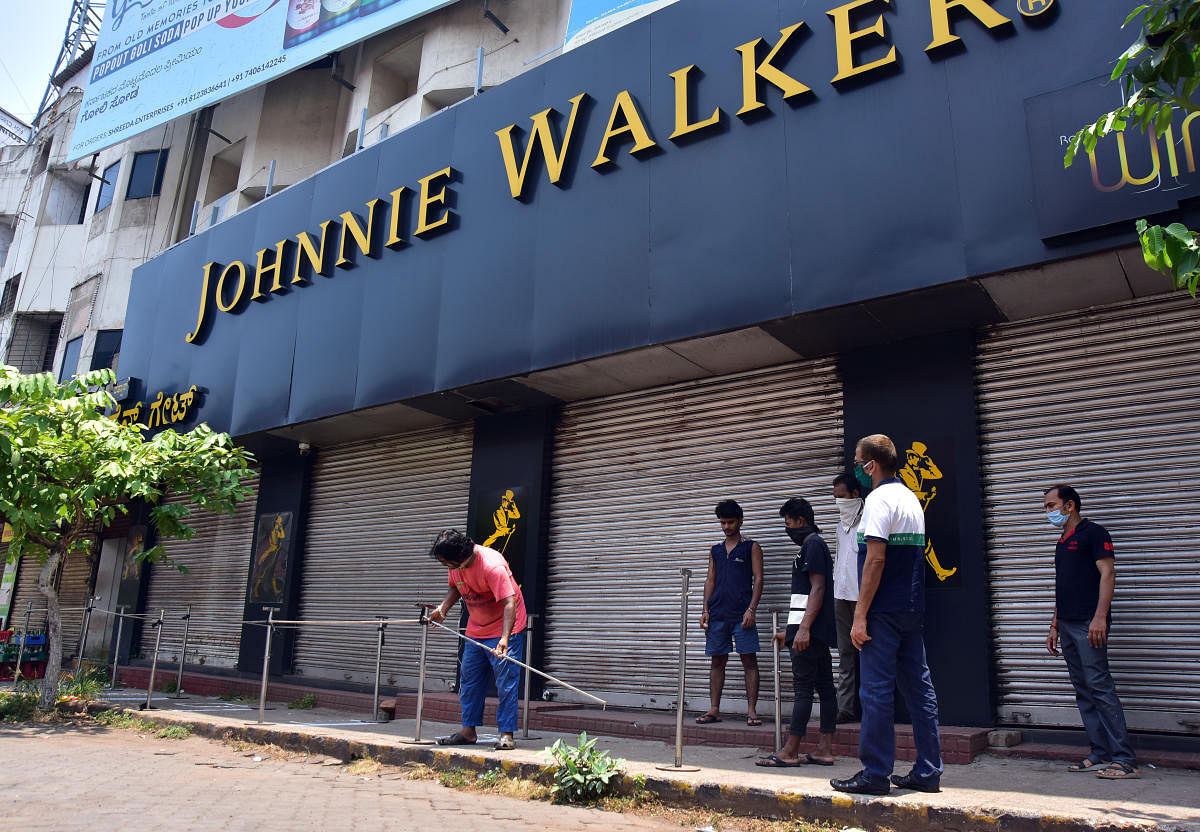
907 781
859 784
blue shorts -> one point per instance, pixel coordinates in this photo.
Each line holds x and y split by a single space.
721 635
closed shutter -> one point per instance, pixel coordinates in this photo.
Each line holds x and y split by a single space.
374 509
636 478
1107 401
74 590
218 562
26 591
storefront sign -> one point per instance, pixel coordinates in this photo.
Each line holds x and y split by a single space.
378 225
1129 175
163 411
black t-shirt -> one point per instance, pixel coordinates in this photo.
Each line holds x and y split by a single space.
814 559
1076 576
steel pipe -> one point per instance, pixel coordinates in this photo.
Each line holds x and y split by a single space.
262 694
685 576
187 620
112 683
775 662
154 663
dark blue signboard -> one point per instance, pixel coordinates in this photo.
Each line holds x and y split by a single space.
698 170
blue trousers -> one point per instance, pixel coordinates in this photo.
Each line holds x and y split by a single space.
479 665
1095 694
895 658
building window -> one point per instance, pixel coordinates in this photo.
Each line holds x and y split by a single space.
9 300
70 364
108 187
107 349
146 175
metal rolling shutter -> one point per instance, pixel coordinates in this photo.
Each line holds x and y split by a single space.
73 594
218 563
1106 401
26 591
374 509
636 478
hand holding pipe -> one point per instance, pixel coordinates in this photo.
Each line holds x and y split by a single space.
428 620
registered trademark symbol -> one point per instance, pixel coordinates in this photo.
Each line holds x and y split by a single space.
1032 8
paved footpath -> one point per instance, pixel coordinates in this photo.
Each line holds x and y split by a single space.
97 779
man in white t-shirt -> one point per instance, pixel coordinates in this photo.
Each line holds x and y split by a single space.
847 494
888 629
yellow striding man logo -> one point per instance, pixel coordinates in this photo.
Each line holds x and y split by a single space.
917 474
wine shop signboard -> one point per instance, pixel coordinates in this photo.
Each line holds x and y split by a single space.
157 60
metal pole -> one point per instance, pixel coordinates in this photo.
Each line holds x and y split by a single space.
262 694
528 677
425 622
270 179
154 663
21 643
686 575
378 666
479 56
117 649
775 660
83 630
195 217
187 623
362 129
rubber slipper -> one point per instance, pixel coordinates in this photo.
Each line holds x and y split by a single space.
705 719
753 721
1085 765
813 761
772 761
1119 771
505 744
455 739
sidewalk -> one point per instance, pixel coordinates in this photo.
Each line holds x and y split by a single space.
990 793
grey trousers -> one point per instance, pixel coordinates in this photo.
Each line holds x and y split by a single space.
847 681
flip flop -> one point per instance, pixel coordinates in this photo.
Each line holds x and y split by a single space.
505 744
772 761
753 721
455 739
705 719
1119 771
813 761
1085 765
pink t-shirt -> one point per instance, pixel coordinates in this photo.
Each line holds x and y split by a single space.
483 586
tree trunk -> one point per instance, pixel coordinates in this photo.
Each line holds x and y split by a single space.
49 686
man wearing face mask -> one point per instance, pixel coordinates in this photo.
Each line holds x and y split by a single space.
847 494
888 629
809 635
1084 581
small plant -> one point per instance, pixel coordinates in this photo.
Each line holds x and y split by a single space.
174 732
169 686
454 778
582 774
83 686
304 703
121 719
232 696
17 706
489 779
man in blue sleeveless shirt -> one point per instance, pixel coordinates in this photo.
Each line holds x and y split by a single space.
888 628
731 592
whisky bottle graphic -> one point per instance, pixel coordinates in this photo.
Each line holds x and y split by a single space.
335 13
302 19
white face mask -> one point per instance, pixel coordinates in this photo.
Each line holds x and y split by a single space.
849 509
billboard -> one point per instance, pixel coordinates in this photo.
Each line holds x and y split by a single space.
591 19
156 60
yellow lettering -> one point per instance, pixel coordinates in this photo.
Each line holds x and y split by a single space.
424 226
394 239
683 123
275 269
845 38
939 13
631 123
362 239
240 268
1187 142
202 318
1126 177
541 136
307 254
752 71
